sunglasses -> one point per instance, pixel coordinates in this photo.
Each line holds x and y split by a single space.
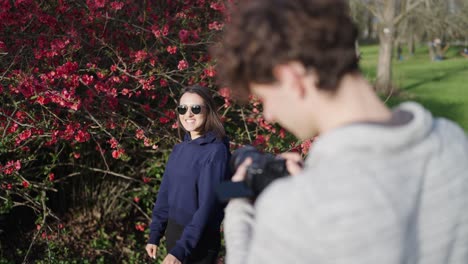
195 109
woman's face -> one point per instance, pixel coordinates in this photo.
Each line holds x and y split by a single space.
192 122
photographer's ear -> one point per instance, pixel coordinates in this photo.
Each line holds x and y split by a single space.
291 76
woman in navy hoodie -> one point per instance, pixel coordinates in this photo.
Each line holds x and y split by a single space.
186 207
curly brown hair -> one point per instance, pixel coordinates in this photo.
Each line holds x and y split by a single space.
264 33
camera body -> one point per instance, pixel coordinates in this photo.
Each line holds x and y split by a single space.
264 168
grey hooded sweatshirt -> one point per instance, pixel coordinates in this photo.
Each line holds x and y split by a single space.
369 193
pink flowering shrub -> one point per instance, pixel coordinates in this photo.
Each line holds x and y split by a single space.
87 98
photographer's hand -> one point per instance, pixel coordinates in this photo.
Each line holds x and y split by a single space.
294 162
241 170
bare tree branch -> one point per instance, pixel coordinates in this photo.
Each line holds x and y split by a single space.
407 11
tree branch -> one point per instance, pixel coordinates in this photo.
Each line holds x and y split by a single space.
410 8
99 170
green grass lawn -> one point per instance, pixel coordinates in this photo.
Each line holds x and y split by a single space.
441 86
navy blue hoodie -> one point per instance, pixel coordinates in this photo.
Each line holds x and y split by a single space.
187 192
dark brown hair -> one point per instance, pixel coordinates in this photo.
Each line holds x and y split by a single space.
212 121
264 33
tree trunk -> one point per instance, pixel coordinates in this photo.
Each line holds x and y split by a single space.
384 68
386 32
411 47
356 48
430 48
370 26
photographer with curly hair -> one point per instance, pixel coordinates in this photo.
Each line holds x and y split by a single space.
379 185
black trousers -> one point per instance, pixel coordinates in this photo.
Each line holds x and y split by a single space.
206 251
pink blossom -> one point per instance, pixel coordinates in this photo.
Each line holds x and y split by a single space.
170 114
218 6
126 91
146 179
165 30
111 125
8 170
305 146
215 26
116 79
147 142
225 92
20 115
2 46
282 133
17 165
164 120
42 100
117 153
13 128
25 184
210 71
140 134
25 135
116 5
51 176
259 140
172 49
82 136
140 227
163 82
97 3
183 64
140 55
114 143
146 107
113 92
184 35
101 75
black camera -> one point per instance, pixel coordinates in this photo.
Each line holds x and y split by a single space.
264 169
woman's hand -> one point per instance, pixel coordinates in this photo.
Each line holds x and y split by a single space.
152 250
170 259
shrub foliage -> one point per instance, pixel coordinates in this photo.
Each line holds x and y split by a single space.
87 92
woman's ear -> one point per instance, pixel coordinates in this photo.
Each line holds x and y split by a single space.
291 76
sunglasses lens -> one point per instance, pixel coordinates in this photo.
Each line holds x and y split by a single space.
196 109
182 109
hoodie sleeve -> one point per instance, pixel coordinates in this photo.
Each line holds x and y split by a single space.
160 213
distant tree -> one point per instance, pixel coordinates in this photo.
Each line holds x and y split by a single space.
408 21
389 14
